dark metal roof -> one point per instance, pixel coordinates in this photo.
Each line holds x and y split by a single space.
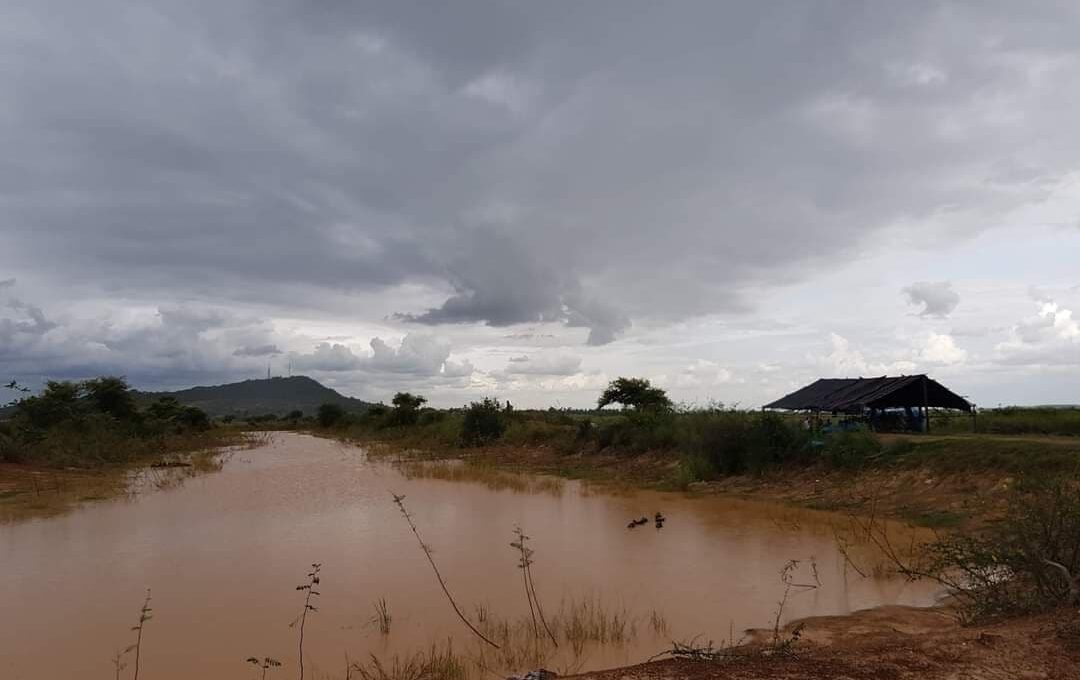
854 394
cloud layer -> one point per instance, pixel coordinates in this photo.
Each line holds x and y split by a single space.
189 190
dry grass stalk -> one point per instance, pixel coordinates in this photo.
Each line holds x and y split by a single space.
399 500
436 664
309 592
382 616
144 616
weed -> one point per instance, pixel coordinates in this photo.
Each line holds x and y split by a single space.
658 623
436 664
264 664
382 616
309 592
525 564
1026 561
144 616
118 663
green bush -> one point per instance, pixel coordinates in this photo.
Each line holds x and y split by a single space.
406 409
93 422
850 450
484 423
734 442
1019 563
330 415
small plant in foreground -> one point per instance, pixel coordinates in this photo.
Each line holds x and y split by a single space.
309 592
525 564
118 663
264 664
784 644
144 616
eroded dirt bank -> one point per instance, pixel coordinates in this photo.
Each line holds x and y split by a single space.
922 495
894 643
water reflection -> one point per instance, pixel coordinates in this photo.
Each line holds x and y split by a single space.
224 552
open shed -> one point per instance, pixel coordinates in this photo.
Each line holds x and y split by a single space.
860 396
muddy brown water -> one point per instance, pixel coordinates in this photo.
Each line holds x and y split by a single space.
224 552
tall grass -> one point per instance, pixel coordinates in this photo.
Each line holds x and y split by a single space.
382 617
438 663
1014 420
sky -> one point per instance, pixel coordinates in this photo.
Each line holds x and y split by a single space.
529 199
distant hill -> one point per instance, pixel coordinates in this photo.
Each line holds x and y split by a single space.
257 397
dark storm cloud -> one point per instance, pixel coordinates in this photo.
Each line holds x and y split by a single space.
588 163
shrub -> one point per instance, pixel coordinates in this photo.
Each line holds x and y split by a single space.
406 409
111 395
650 429
430 417
194 418
852 449
1027 561
329 415
484 422
734 442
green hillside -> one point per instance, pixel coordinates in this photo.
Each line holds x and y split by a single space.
257 397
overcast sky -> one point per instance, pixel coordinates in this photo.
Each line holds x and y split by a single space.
527 199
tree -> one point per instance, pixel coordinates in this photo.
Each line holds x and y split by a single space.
164 408
111 395
636 393
330 415
484 422
59 402
408 401
295 414
406 408
193 417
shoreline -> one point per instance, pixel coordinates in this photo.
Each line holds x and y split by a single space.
890 641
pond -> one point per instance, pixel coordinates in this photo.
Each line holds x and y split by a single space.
223 553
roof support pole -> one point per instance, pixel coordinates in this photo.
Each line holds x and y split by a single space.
926 406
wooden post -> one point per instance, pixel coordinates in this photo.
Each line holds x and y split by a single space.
926 407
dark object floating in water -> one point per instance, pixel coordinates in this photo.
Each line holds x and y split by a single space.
660 519
637 522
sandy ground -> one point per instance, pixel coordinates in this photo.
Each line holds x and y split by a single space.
895 643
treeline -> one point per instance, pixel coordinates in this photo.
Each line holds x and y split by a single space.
709 442
97 422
